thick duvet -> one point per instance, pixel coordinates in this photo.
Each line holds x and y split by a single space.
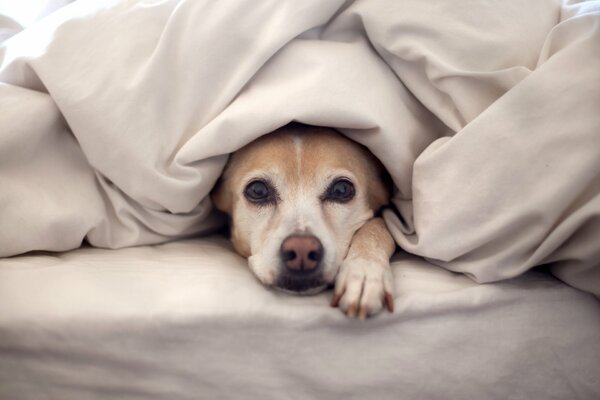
117 118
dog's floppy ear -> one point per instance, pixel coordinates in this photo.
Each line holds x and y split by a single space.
379 194
221 196
380 186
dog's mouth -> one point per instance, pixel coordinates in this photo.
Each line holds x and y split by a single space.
301 285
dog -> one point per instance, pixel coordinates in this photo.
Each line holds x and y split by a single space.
302 203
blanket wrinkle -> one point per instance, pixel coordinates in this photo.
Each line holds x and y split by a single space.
452 41
484 115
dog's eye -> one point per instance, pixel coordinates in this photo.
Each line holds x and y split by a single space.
340 191
259 192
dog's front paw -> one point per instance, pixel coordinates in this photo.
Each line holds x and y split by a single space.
363 287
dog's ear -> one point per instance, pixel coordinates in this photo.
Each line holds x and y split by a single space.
380 189
221 196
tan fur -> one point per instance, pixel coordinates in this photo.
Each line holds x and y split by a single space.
276 149
299 159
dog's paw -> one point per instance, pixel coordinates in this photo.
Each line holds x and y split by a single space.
363 287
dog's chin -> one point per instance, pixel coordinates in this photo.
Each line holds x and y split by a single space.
302 286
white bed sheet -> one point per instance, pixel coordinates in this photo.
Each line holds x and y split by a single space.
187 320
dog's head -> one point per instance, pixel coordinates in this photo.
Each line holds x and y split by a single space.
296 197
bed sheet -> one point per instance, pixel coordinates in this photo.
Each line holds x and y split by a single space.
187 320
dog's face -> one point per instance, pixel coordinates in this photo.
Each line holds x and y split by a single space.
296 197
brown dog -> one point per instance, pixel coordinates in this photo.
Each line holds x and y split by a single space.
302 202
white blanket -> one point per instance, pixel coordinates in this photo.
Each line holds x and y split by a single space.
116 119
187 320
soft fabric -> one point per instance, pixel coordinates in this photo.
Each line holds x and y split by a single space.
187 320
116 119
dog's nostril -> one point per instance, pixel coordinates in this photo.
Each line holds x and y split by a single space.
313 256
289 255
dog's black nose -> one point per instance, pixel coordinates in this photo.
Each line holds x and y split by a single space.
301 253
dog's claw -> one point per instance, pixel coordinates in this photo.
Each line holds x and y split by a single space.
352 311
363 312
389 302
363 288
335 301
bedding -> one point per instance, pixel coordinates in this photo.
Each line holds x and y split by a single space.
187 320
117 118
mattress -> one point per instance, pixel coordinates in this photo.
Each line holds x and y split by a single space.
187 320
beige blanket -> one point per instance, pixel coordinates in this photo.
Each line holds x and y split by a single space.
116 119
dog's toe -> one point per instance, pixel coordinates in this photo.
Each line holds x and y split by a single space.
362 288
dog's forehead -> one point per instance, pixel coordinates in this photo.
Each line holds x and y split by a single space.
300 154
328 149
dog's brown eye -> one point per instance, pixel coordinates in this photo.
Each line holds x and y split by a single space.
340 191
259 192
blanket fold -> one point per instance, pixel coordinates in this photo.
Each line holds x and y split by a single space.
116 119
